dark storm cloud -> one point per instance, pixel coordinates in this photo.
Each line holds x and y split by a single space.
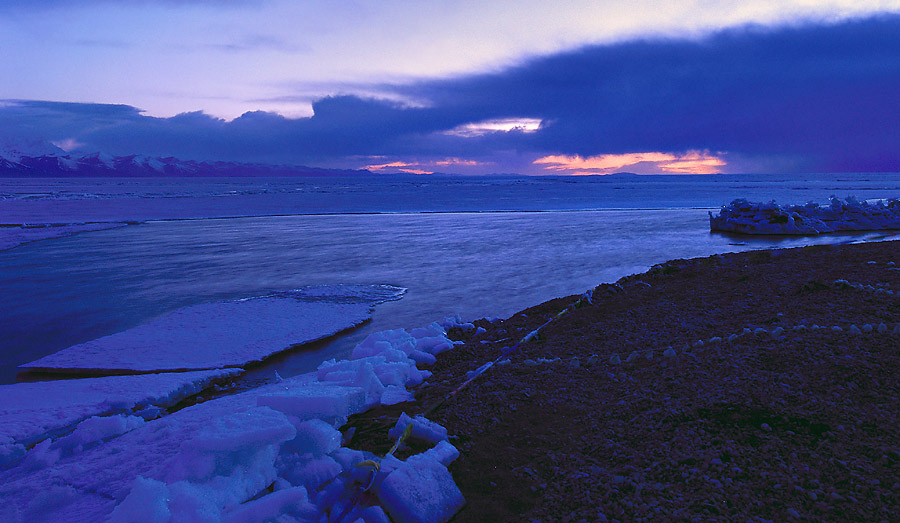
827 93
341 126
59 120
827 97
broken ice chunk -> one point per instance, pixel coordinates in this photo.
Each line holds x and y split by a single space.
327 402
420 492
423 429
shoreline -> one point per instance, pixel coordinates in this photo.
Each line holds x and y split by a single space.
769 393
772 424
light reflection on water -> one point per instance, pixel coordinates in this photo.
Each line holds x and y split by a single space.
60 292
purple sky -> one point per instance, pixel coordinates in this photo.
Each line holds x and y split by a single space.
530 87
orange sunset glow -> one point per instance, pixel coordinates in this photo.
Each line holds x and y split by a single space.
691 162
421 166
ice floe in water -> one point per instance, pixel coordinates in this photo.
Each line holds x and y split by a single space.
267 453
224 334
746 217
31 412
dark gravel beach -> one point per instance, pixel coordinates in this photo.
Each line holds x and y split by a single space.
775 416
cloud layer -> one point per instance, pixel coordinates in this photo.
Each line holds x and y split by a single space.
810 97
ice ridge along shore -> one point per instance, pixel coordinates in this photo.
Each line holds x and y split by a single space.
745 217
271 452
33 412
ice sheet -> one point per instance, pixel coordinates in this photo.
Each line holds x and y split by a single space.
208 336
31 411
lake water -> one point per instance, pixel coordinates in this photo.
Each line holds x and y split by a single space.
55 293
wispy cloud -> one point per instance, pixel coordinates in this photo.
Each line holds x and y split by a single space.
107 43
393 167
474 129
259 42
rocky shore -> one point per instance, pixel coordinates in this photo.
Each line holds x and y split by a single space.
760 386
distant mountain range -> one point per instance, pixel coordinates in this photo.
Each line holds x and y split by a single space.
46 160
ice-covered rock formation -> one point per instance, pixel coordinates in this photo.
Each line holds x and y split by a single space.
742 216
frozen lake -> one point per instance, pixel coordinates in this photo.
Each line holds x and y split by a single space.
64 291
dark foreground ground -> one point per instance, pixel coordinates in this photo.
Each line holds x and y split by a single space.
793 425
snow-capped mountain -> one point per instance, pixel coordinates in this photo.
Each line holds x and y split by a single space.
15 150
22 161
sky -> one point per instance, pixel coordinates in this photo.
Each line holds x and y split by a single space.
469 87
